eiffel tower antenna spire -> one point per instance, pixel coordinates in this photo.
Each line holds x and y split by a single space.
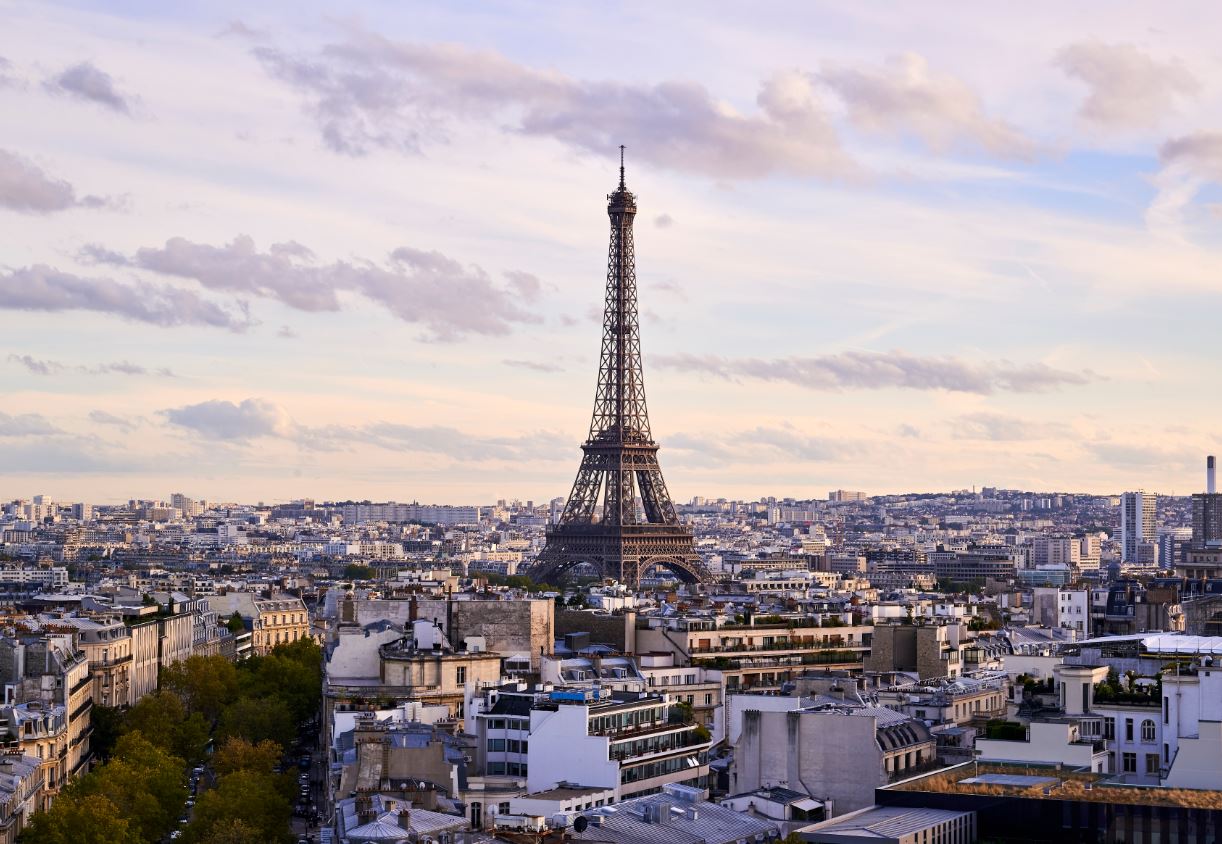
602 525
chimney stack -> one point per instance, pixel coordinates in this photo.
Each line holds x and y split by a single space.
1211 474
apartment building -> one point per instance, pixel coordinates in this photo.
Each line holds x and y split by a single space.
38 731
927 650
46 670
836 754
759 654
624 741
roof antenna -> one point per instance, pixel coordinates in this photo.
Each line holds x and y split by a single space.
621 167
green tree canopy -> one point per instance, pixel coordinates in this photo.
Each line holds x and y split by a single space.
144 783
244 796
258 719
356 571
162 718
107 723
81 819
207 683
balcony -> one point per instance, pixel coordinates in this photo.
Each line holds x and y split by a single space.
110 663
730 650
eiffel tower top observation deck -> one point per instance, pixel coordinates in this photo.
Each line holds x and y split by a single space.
602 524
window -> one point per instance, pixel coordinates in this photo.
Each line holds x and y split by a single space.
1151 763
462 674
1166 710
496 745
708 699
1109 729
1130 763
1128 729
1147 731
1166 752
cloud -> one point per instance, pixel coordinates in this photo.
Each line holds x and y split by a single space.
537 366
8 75
374 93
528 286
793 443
286 332
86 81
999 427
437 439
664 221
43 288
905 97
224 420
239 29
1145 455
1126 87
53 367
256 418
101 417
1200 152
38 367
883 370
25 425
1188 163
25 187
450 299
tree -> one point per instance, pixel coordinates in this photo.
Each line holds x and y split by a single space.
258 719
681 713
162 718
235 623
107 723
143 782
232 831
244 796
206 683
75 819
238 754
356 571
283 678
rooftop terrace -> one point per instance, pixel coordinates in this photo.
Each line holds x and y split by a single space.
1048 783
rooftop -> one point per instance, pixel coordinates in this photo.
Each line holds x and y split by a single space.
884 822
1042 782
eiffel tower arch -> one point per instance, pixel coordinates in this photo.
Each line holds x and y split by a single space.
619 518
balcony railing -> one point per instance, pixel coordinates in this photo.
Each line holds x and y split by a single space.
779 646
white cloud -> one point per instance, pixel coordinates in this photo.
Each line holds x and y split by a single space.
1126 87
883 370
371 92
906 97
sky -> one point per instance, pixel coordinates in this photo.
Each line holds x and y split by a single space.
281 250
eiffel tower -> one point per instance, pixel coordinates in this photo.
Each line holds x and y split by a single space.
601 524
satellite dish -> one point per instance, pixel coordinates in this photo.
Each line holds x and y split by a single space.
581 824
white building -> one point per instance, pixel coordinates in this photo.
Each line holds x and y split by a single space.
1073 610
622 741
1138 523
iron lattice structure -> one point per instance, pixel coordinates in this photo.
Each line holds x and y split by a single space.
602 523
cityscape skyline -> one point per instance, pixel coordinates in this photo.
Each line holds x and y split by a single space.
365 260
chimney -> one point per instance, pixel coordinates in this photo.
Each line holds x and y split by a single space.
405 819
411 609
1211 474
